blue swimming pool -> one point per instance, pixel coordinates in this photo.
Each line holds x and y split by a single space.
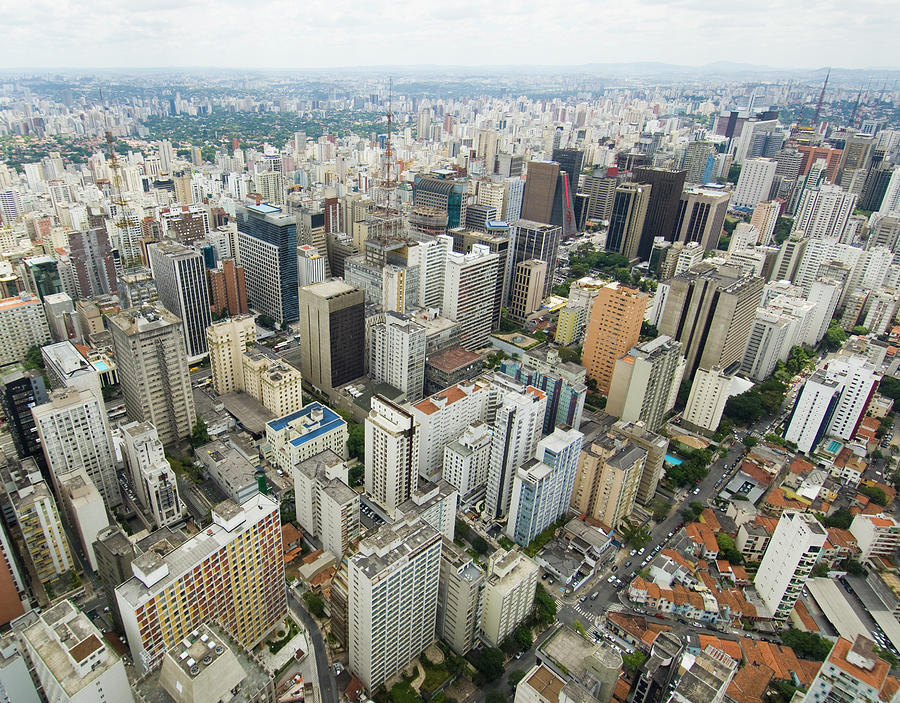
101 366
834 446
673 460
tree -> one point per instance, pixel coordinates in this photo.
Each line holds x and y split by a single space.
859 330
728 550
480 545
403 692
356 440
489 662
750 441
782 231
820 570
834 336
807 645
633 660
523 637
889 386
199 435
636 535
839 518
569 355
544 606
648 330
34 359
463 531
853 567
875 494
514 676
315 603
266 321
356 475
494 696
887 655
692 512
734 172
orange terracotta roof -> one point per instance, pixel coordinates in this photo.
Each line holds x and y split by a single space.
429 407
710 520
740 573
841 538
621 691
756 473
289 534
730 647
808 623
750 682
312 556
800 466
890 688
875 678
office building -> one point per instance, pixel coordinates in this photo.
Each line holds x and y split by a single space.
66 367
92 263
21 391
332 334
153 370
23 325
267 241
304 434
701 216
227 341
497 239
645 382
85 509
754 184
533 240
391 454
392 591
854 672
710 310
274 383
765 217
549 197
459 598
789 559
698 160
627 218
614 327
517 430
666 187
542 487
181 281
469 287
600 185
227 289
508 594
527 293
74 433
570 162
311 265
232 571
710 390
70 657
326 507
397 355
137 288
466 460
608 478
443 191
876 535
151 475
430 256
824 212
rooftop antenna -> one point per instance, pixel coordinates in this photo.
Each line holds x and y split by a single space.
821 98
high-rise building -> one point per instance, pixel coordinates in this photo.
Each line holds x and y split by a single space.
517 430
710 310
542 488
227 340
93 263
701 215
527 293
304 434
21 391
627 218
600 187
891 200
392 453
570 162
442 190
469 292
85 509
153 370
710 390
74 433
788 561
508 594
392 592
608 478
645 382
698 159
326 507
662 208
397 355
430 255
22 325
332 334
854 672
66 367
227 289
277 385
656 447
181 281
70 657
824 212
467 460
232 571
497 239
311 265
876 535
548 196
765 217
151 475
614 327
533 240
459 598
754 184
267 240
812 411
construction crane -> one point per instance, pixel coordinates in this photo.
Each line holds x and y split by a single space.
821 98
121 220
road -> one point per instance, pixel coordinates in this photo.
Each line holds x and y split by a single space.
327 686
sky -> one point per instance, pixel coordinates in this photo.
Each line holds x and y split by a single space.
287 34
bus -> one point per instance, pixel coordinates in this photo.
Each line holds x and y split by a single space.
280 346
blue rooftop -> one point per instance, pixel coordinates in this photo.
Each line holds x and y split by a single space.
330 420
263 209
498 224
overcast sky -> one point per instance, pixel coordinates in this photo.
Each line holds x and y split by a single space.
318 33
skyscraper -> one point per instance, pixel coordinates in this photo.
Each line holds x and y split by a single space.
151 475
469 287
267 240
533 240
608 478
227 289
181 280
627 217
227 340
332 334
570 162
754 184
21 391
548 196
662 209
397 355
392 453
527 294
508 595
153 370
613 328
92 260
824 211
442 190
701 215
459 598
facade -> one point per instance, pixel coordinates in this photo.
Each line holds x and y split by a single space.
527 294
789 559
74 434
627 217
469 288
876 535
227 289
701 215
608 478
441 190
666 187
655 445
459 598
66 367
392 592
86 510
397 355
23 325
549 196
153 370
151 475
764 218
274 383
508 594
812 411
301 435
710 390
332 334
21 391
227 340
181 281
754 184
326 506
391 454
645 382
533 240
92 263
824 211
614 327
169 596
852 672
267 241
467 460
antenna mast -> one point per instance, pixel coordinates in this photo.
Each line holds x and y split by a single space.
821 98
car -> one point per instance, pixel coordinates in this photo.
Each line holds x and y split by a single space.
594 595
642 550
614 567
545 577
627 564
610 579
670 535
633 552
550 581
519 655
582 599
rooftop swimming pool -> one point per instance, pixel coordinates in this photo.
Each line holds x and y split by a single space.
673 460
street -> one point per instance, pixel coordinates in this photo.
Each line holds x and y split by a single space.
327 686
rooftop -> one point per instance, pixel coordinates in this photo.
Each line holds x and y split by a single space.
453 359
382 549
311 421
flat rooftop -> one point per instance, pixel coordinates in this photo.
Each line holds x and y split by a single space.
329 421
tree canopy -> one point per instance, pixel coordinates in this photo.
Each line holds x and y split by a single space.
807 645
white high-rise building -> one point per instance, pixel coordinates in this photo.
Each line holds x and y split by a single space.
469 287
442 417
824 294
824 211
392 596
891 200
876 535
397 355
517 430
85 508
74 433
772 335
854 672
754 184
228 339
858 380
311 265
151 475
11 206
788 561
812 411
23 325
710 390
467 460
430 255
508 595
392 453
325 505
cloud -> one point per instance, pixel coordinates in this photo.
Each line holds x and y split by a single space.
317 33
